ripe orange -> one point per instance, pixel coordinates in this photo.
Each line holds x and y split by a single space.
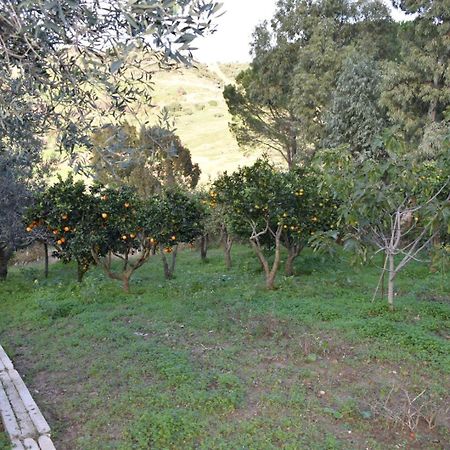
124 237
66 229
55 232
59 242
29 229
104 215
174 238
132 235
127 205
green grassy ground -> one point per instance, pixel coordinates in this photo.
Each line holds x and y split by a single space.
211 360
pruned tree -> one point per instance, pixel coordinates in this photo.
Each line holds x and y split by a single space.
274 209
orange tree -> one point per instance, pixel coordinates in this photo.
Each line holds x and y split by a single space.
274 209
61 213
171 218
117 233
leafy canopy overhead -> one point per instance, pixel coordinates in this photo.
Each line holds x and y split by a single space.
60 58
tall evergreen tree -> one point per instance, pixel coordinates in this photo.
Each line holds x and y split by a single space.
356 117
416 86
280 101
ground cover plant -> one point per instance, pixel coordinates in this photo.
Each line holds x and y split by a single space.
211 359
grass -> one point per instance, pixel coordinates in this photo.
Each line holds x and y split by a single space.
210 360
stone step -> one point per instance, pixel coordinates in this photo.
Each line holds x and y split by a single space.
22 419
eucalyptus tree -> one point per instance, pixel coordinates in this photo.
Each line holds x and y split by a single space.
356 117
279 103
416 84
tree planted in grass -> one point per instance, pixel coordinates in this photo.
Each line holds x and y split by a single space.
273 209
396 207
118 233
63 213
171 218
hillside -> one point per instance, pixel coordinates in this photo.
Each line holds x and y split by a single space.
194 97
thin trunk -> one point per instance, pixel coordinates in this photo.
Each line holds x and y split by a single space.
391 281
5 256
174 259
169 269
46 259
270 272
227 253
80 271
227 241
204 240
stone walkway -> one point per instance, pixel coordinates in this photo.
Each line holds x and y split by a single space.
23 422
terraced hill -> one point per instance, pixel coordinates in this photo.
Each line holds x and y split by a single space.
194 97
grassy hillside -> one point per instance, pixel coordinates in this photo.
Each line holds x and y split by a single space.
194 97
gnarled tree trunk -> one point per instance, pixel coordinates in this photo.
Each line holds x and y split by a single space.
270 272
293 251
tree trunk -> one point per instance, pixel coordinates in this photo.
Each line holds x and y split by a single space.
46 259
270 281
80 271
126 283
270 272
169 270
5 256
391 281
293 251
289 266
204 240
227 245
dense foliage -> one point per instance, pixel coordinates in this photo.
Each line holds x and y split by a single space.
148 159
273 209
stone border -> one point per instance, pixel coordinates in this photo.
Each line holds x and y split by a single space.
22 419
